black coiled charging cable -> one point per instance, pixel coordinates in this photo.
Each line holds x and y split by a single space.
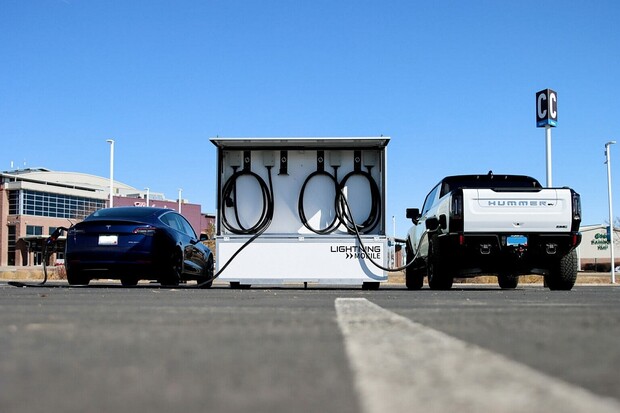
229 199
342 213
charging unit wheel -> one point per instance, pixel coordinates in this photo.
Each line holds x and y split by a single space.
370 285
236 285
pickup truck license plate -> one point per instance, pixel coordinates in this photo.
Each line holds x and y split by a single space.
516 240
108 239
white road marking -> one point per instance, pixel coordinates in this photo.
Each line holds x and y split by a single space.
403 366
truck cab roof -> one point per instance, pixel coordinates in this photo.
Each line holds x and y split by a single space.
490 180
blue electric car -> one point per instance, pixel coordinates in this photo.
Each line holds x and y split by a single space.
137 243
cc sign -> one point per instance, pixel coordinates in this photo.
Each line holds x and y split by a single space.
546 108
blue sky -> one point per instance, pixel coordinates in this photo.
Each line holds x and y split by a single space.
451 82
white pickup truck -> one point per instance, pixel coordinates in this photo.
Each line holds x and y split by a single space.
507 225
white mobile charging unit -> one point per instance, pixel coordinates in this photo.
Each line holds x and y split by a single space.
287 189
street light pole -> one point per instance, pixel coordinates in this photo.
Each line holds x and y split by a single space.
111 142
148 197
611 213
180 193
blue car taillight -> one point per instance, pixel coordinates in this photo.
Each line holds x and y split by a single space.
148 231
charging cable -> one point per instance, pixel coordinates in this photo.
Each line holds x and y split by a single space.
359 239
344 211
264 222
50 241
229 200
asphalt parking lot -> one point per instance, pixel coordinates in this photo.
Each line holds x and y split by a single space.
106 348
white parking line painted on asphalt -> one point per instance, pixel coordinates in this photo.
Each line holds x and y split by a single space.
403 366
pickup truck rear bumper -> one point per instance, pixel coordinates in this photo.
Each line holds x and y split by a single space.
473 253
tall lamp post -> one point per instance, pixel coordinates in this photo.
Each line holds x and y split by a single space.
148 196
111 142
180 198
611 213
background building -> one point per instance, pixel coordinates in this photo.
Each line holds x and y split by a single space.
593 252
34 202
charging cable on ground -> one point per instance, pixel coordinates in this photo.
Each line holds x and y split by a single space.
49 242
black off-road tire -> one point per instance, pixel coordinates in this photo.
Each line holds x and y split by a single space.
563 273
437 269
507 281
414 277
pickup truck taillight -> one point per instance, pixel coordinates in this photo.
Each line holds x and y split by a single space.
456 211
576 211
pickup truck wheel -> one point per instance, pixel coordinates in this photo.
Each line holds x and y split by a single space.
414 278
436 268
507 280
563 273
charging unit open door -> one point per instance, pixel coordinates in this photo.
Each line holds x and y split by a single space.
298 202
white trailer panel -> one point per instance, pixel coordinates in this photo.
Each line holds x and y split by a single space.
325 260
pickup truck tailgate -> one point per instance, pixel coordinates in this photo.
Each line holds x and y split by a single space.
544 210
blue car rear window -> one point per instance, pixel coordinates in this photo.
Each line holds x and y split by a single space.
132 212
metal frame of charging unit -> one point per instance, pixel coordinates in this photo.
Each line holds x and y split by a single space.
288 195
